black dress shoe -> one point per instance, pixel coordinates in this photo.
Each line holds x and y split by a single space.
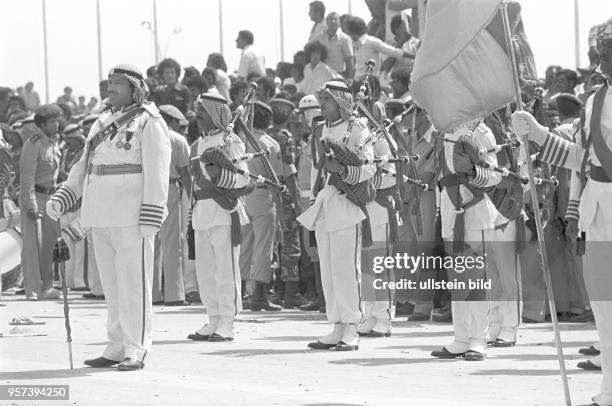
198 337
342 346
404 309
588 366
374 334
92 296
100 362
177 303
130 364
318 345
501 343
474 356
193 297
311 307
446 317
590 351
418 317
446 354
219 339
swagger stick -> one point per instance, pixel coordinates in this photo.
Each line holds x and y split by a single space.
537 216
61 254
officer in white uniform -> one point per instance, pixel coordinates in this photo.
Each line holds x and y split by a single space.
337 223
595 215
217 229
377 304
122 179
480 217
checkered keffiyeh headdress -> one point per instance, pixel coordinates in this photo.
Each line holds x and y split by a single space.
133 75
216 107
341 95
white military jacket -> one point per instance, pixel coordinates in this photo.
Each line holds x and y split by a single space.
207 213
483 215
566 154
334 209
127 199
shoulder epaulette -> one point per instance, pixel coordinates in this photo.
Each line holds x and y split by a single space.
34 138
152 109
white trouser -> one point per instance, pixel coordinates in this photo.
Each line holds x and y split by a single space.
340 257
93 275
377 305
189 267
504 269
125 262
470 317
219 277
598 279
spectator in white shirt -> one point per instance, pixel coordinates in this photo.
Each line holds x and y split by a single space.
339 47
316 12
367 47
402 32
317 72
217 63
251 62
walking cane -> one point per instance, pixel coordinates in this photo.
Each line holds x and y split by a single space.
61 254
537 216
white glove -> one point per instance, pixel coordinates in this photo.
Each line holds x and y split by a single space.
54 209
148 231
525 124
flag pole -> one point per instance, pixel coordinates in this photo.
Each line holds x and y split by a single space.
538 219
46 55
282 29
577 33
98 24
220 27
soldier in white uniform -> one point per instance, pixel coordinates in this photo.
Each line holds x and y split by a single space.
470 307
337 223
595 215
122 179
378 306
217 228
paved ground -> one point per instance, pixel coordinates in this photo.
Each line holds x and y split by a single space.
269 364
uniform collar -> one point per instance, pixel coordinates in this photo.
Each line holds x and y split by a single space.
124 109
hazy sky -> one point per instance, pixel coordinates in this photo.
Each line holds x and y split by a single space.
72 41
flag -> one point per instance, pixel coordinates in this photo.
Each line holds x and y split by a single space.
462 71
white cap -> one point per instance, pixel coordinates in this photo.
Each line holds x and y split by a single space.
309 105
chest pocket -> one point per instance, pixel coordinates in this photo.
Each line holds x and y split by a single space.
51 156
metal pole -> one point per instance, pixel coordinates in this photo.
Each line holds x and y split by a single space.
536 214
220 27
155 32
350 7
577 33
99 27
282 29
44 16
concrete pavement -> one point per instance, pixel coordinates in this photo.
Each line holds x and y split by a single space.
269 363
